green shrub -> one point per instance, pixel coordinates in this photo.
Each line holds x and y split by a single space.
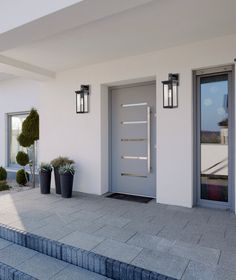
3 174
24 141
4 186
61 161
30 129
22 158
22 177
30 126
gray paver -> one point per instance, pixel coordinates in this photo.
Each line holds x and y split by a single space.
86 215
164 263
224 274
54 232
150 242
145 227
218 243
117 250
113 221
119 234
4 243
173 233
228 260
75 273
41 266
196 253
199 271
85 226
82 240
15 254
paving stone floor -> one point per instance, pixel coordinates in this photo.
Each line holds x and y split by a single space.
41 266
178 242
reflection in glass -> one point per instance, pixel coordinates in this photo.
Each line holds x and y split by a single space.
214 137
15 129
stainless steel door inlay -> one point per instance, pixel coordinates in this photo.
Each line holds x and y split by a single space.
134 104
134 122
133 175
134 139
132 157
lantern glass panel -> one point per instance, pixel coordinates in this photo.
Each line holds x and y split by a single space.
175 94
78 108
166 94
86 103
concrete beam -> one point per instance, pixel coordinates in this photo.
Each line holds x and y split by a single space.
22 69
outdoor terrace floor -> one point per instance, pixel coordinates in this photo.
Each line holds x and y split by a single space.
178 242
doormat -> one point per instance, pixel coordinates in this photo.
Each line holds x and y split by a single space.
129 197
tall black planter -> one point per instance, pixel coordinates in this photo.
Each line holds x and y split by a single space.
57 180
45 181
66 184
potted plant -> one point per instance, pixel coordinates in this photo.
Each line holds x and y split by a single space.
56 164
45 172
67 172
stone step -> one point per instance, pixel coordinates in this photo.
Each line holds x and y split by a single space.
92 262
10 273
21 263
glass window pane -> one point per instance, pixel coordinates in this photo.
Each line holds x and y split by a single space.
15 127
214 138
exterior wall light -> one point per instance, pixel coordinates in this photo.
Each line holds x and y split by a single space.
82 99
170 91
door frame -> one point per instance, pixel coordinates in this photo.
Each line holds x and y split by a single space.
110 88
227 69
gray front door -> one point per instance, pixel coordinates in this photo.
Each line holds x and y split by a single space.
133 129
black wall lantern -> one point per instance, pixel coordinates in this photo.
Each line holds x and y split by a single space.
170 91
82 99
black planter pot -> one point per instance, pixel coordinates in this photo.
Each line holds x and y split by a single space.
57 180
45 181
66 184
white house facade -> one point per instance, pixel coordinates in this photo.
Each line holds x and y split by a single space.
136 146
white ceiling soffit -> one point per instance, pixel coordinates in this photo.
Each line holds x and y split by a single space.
156 25
76 15
4 76
15 68
14 13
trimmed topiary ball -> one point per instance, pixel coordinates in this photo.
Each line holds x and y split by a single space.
3 174
22 177
25 141
22 158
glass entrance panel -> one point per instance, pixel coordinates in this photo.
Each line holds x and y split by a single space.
214 137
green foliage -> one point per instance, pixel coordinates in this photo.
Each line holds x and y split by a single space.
30 129
22 177
30 126
3 174
24 141
60 161
4 186
22 158
45 167
67 168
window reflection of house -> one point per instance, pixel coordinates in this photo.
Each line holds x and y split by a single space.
223 131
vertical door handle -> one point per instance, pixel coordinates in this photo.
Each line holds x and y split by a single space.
148 139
